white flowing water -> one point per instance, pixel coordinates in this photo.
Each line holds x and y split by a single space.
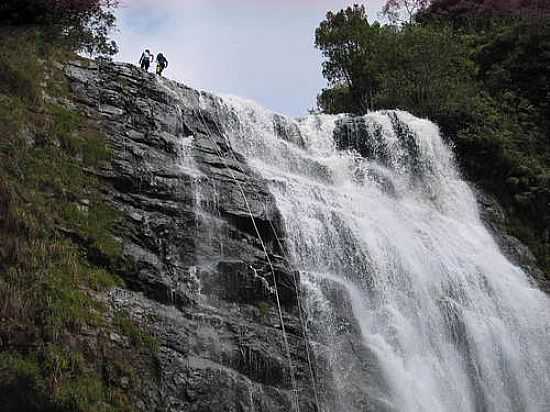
452 324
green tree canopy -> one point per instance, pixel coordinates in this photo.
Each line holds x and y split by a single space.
353 52
370 66
82 25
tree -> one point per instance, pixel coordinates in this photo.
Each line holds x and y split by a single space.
423 69
403 11
516 62
460 12
82 25
351 47
427 72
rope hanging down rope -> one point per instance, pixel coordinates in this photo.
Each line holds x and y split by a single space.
281 320
285 255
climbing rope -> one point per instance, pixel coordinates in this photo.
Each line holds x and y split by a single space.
268 259
302 322
281 320
299 304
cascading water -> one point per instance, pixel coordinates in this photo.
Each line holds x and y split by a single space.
449 322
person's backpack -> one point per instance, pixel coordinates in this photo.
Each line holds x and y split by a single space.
162 60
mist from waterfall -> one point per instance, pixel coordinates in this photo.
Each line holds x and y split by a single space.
449 322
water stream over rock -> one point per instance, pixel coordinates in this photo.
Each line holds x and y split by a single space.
374 207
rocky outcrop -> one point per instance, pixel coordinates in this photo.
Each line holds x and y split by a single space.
495 219
199 276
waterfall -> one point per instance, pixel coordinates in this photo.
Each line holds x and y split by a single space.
445 322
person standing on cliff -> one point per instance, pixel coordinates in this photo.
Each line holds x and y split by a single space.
162 63
146 59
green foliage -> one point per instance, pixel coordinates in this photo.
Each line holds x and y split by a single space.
67 306
351 48
485 83
76 388
437 75
77 139
21 73
514 65
84 394
481 13
65 125
80 25
57 246
425 67
23 387
264 308
138 336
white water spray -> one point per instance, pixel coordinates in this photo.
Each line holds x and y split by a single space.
453 325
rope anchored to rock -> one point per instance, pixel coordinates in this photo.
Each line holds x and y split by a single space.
268 259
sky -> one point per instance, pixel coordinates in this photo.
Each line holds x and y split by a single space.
257 49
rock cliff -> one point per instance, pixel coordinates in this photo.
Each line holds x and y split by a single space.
201 279
204 255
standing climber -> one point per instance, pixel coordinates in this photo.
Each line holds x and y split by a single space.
146 59
162 63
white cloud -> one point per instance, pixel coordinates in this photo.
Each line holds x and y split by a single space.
257 49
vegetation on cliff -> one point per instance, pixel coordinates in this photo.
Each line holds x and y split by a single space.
480 70
78 25
58 253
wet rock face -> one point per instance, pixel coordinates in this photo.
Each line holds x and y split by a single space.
200 278
494 217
